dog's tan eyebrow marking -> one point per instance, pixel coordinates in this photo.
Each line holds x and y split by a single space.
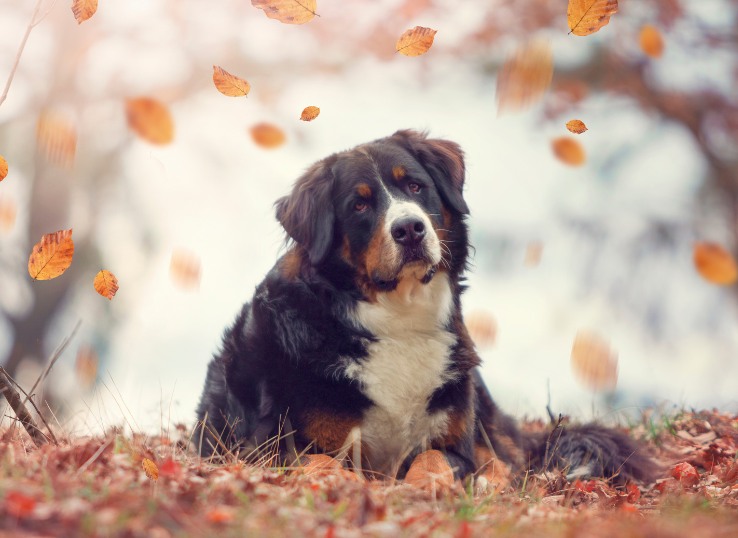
398 172
364 190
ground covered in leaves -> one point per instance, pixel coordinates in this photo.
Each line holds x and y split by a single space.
134 485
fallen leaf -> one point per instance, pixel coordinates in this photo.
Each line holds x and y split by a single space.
83 9
309 113
525 76
715 264
229 84
267 135
482 327
568 151
106 284
651 41
576 126
415 41
19 505
150 468
593 362
430 471
3 168
634 493
150 119
220 514
8 212
170 468
51 256
288 11
184 269
587 16
319 464
85 366
56 137
686 474
533 254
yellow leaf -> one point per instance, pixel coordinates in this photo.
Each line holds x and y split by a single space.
229 84
3 168
568 151
150 468
288 11
106 284
267 135
85 366
593 362
150 119
715 264
8 212
415 41
587 16
185 270
482 327
309 113
51 256
525 76
576 126
83 9
56 137
651 41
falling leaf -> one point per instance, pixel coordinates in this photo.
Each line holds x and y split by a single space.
568 151
715 264
267 135
525 77
309 113
533 253
576 126
288 11
83 9
19 505
3 168
106 284
85 366
184 269
415 41
652 43
56 137
593 362
150 468
229 84
51 256
587 16
150 119
8 212
482 327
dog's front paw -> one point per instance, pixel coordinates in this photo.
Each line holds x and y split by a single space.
431 472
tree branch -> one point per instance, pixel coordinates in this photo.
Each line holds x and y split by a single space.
25 418
31 24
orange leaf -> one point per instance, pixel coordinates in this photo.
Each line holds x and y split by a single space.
3 168
587 16
288 11
576 126
715 264
83 9
51 256
267 135
533 253
686 474
56 137
170 468
652 43
430 471
229 84
415 41
106 284
150 468
525 76
150 119
593 362
482 327
85 366
220 514
184 269
19 505
309 113
568 151
7 214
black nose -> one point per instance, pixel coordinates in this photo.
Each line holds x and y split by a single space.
408 231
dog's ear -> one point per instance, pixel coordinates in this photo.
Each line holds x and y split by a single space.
444 161
307 214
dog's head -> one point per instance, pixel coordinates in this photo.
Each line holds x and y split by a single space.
389 209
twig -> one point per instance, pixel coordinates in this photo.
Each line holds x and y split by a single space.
551 416
20 52
546 459
20 410
29 399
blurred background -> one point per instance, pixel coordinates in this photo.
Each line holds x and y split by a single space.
605 247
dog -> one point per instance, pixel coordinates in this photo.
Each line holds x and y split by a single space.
356 335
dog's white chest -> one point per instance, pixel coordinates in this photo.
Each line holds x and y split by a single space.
408 361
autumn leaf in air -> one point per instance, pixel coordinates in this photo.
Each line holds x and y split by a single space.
83 9
482 327
568 151
150 468
85 366
51 256
288 11
229 84
585 17
3 168
651 41
106 284
715 264
576 126
267 135
525 77
533 254
309 113
8 212
593 362
56 137
185 269
150 119
415 41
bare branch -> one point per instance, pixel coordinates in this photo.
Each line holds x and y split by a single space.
25 418
31 24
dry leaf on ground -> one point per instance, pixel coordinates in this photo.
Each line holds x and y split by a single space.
106 284
651 41
83 9
714 263
288 11
587 16
51 256
150 119
415 41
56 137
430 471
525 77
185 269
309 113
3 168
229 84
576 126
267 135
568 151
593 362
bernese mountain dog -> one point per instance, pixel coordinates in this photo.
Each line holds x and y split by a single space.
356 335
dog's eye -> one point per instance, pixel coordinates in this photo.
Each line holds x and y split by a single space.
415 188
360 206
